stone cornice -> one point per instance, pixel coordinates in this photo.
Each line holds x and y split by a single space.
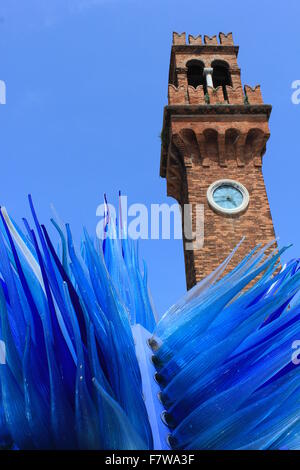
204 49
191 110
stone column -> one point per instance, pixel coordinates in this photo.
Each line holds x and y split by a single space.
207 71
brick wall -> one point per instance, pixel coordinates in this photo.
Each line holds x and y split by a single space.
222 233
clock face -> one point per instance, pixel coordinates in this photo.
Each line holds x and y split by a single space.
228 196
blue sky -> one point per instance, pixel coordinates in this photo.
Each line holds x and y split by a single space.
86 85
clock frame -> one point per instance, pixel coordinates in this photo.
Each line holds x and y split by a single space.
231 183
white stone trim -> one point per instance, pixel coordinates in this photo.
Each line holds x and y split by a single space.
222 210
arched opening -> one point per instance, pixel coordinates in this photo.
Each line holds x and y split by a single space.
231 138
211 145
189 138
221 76
195 75
254 145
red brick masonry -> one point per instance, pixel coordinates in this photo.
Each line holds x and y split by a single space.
206 138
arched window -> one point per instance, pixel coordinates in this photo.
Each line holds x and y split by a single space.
221 75
195 74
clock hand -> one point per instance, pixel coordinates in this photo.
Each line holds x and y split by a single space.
221 198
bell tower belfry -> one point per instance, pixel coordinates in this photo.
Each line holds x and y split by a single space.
213 140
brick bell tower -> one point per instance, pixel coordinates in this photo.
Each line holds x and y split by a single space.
213 139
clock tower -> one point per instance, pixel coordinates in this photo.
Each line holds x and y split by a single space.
213 140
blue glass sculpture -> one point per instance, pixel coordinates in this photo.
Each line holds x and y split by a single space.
83 360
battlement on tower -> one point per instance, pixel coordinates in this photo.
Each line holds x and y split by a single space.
179 39
214 96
